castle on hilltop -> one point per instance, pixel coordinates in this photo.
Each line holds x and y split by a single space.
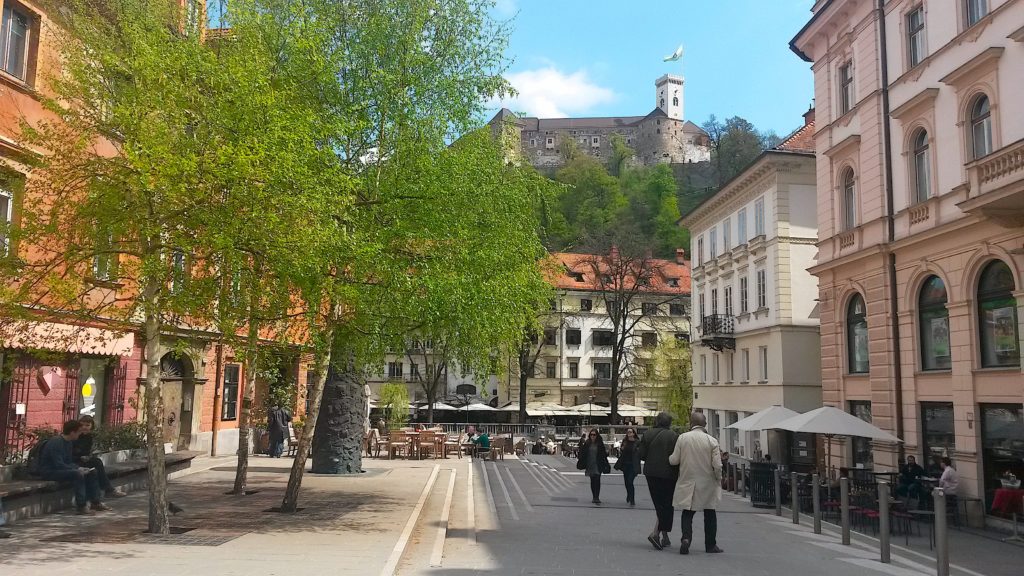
660 137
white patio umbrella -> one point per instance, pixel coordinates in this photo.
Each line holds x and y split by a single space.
635 411
479 407
831 421
764 420
590 408
439 406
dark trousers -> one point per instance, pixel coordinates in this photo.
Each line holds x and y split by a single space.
85 486
276 444
662 490
710 527
628 475
101 473
595 486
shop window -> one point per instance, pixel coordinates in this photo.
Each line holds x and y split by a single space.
997 313
937 437
933 317
92 385
862 455
1002 448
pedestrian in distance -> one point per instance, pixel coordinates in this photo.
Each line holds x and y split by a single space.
629 463
593 460
700 482
277 426
654 449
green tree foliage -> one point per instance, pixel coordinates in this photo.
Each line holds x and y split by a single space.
735 143
672 376
394 398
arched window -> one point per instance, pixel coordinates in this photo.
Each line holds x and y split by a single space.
997 314
849 205
857 335
662 104
981 127
922 167
675 101
934 319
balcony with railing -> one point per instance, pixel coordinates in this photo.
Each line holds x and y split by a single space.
997 186
718 332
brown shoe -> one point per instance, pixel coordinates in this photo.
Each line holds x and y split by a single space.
100 507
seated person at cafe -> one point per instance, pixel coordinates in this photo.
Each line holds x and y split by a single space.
910 476
482 440
56 463
84 457
950 480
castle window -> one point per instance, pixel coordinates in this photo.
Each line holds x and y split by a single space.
595 141
675 101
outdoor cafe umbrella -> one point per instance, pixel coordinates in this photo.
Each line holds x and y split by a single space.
764 420
439 406
631 411
831 421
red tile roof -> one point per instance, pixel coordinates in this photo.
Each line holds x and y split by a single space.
802 140
576 272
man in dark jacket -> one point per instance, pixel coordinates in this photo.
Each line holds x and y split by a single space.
655 447
277 426
56 463
84 457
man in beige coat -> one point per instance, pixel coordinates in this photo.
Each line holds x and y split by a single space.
700 482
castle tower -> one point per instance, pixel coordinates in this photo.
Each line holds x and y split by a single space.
670 95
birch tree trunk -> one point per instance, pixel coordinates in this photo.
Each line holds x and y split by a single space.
248 398
323 363
157 477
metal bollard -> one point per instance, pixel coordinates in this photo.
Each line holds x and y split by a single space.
883 520
941 533
778 492
794 498
844 508
816 502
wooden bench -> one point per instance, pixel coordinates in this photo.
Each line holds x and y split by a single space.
26 497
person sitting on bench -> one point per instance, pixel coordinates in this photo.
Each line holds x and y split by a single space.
483 442
84 457
56 463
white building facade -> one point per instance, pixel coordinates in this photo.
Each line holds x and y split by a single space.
756 341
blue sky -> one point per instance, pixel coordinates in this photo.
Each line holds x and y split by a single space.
601 57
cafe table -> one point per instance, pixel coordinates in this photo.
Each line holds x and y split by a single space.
1010 501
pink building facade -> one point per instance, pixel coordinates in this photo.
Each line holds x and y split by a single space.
920 178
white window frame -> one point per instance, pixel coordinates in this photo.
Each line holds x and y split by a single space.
703 368
700 250
845 83
726 233
714 369
745 372
700 303
713 243
714 301
762 361
762 288
974 10
917 48
729 368
921 165
727 296
741 226
744 292
7 202
5 40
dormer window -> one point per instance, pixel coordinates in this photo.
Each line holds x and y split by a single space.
576 276
673 282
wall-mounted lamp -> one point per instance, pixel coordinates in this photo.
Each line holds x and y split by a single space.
970 420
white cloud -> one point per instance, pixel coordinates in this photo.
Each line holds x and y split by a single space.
550 93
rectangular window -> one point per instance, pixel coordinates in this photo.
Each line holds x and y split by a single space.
573 337
728 300
603 370
586 304
741 226
700 250
729 367
104 259
745 366
675 309
762 289
759 217
394 370
649 308
229 401
862 455
549 370
744 307
603 338
915 36
976 10
700 306
649 339
714 368
574 369
15 40
1002 426
713 242
846 87
726 234
937 435
682 337
310 384
414 371
762 357
550 337
6 216
714 301
703 368
595 141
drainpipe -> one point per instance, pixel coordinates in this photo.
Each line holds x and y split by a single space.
216 399
891 222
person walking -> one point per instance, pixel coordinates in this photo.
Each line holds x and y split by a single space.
593 460
277 426
700 482
629 463
654 449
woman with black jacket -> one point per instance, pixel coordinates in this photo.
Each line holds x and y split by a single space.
629 463
593 460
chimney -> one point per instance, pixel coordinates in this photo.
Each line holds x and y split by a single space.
680 256
809 116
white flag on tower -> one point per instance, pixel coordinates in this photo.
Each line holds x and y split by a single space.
675 55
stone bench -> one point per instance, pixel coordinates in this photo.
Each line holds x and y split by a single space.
30 497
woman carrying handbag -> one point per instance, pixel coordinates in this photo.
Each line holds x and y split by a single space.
593 460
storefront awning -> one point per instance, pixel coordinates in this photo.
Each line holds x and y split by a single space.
66 338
